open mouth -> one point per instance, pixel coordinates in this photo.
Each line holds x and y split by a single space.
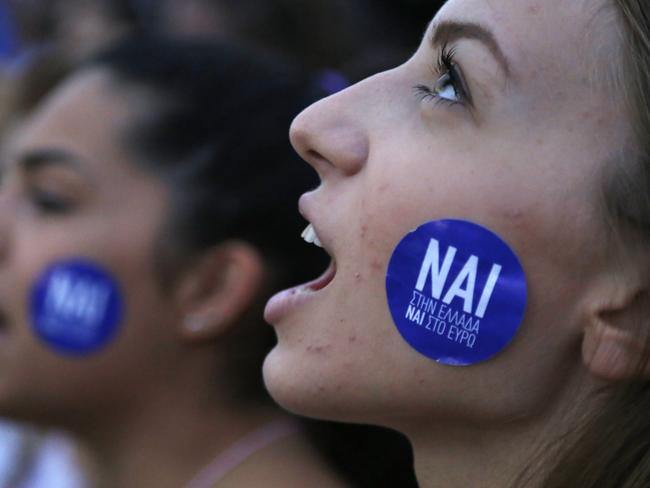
325 279
285 301
310 236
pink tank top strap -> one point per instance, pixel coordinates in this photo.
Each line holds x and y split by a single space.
242 450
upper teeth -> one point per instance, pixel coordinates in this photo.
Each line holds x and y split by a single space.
309 235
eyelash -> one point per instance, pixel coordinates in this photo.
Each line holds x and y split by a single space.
445 66
48 203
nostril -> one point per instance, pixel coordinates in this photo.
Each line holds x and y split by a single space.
328 138
313 154
344 150
349 149
319 162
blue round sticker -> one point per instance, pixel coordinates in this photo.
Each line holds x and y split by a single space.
456 291
75 307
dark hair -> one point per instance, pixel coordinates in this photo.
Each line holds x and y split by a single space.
216 132
214 127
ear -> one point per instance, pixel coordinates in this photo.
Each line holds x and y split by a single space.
218 289
615 342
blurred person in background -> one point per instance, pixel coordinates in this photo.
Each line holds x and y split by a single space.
78 28
145 217
161 172
366 37
31 457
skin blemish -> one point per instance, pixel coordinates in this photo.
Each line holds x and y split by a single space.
534 9
318 349
364 231
514 214
376 265
357 277
352 339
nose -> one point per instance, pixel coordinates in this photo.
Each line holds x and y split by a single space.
330 137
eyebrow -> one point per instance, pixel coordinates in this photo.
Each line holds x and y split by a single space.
35 160
449 31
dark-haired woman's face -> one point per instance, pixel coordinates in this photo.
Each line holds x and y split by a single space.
69 195
501 118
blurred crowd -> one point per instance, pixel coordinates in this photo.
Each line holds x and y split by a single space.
335 42
337 34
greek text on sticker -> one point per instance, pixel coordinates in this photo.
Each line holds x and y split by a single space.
76 299
75 307
466 276
456 291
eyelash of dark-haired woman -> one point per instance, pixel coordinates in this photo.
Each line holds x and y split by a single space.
49 203
446 72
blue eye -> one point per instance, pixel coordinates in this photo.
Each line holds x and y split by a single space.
446 89
449 87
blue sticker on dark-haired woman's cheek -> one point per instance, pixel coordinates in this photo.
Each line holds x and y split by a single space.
76 307
456 291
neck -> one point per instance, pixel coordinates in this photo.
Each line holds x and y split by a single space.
454 458
166 443
451 455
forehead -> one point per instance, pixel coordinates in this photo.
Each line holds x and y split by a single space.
79 99
85 116
572 38
87 119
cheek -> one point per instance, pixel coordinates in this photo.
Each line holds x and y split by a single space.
31 365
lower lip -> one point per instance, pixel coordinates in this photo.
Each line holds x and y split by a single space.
285 301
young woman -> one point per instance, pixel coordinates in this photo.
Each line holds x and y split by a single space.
144 219
485 208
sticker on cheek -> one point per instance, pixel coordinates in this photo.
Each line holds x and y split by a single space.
456 291
75 307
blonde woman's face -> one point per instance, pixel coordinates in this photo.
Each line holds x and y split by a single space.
511 130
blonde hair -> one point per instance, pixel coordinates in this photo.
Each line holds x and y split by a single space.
611 449
628 188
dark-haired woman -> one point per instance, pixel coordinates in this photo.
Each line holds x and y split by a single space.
144 217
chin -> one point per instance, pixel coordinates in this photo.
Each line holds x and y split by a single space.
306 392
284 384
